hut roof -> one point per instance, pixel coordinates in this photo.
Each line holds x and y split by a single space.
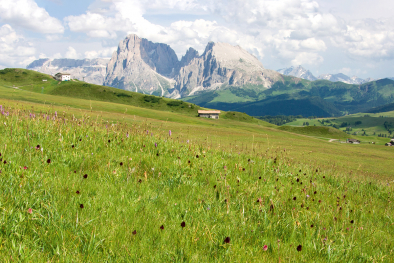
209 111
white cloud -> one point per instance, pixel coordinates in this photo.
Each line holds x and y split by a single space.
27 14
252 24
72 53
14 50
104 53
281 31
313 44
305 58
369 39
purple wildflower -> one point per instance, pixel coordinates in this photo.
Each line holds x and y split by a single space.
155 144
169 133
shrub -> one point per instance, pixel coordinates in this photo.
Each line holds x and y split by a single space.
152 99
174 103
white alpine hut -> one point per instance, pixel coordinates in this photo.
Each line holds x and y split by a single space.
63 76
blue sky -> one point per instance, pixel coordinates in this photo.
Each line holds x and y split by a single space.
355 37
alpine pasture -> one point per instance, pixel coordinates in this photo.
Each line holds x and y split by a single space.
85 188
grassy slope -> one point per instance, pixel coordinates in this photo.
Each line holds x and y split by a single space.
32 81
322 132
371 123
225 133
381 109
136 196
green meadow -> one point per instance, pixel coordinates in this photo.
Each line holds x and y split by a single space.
366 125
85 190
86 178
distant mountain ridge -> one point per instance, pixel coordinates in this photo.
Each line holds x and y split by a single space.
303 73
90 70
298 72
320 98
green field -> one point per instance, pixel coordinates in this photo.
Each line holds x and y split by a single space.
28 80
80 189
366 125
164 185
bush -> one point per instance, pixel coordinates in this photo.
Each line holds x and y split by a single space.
174 103
152 99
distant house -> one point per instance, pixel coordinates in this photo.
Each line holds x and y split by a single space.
353 141
63 77
212 114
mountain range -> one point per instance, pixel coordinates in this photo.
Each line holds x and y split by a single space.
303 73
224 77
90 70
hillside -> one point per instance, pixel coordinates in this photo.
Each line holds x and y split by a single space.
33 81
381 109
294 96
77 188
377 127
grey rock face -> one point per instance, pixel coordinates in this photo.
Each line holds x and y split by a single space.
190 55
223 64
92 70
142 66
298 72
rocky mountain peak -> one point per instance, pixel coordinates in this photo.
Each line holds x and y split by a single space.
191 54
223 65
298 72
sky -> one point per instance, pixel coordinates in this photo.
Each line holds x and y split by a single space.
354 37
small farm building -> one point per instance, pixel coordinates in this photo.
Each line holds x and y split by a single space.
213 114
63 77
354 141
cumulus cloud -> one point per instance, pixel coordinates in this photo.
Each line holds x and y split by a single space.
290 31
305 58
27 14
126 17
252 24
368 39
15 51
104 53
72 53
